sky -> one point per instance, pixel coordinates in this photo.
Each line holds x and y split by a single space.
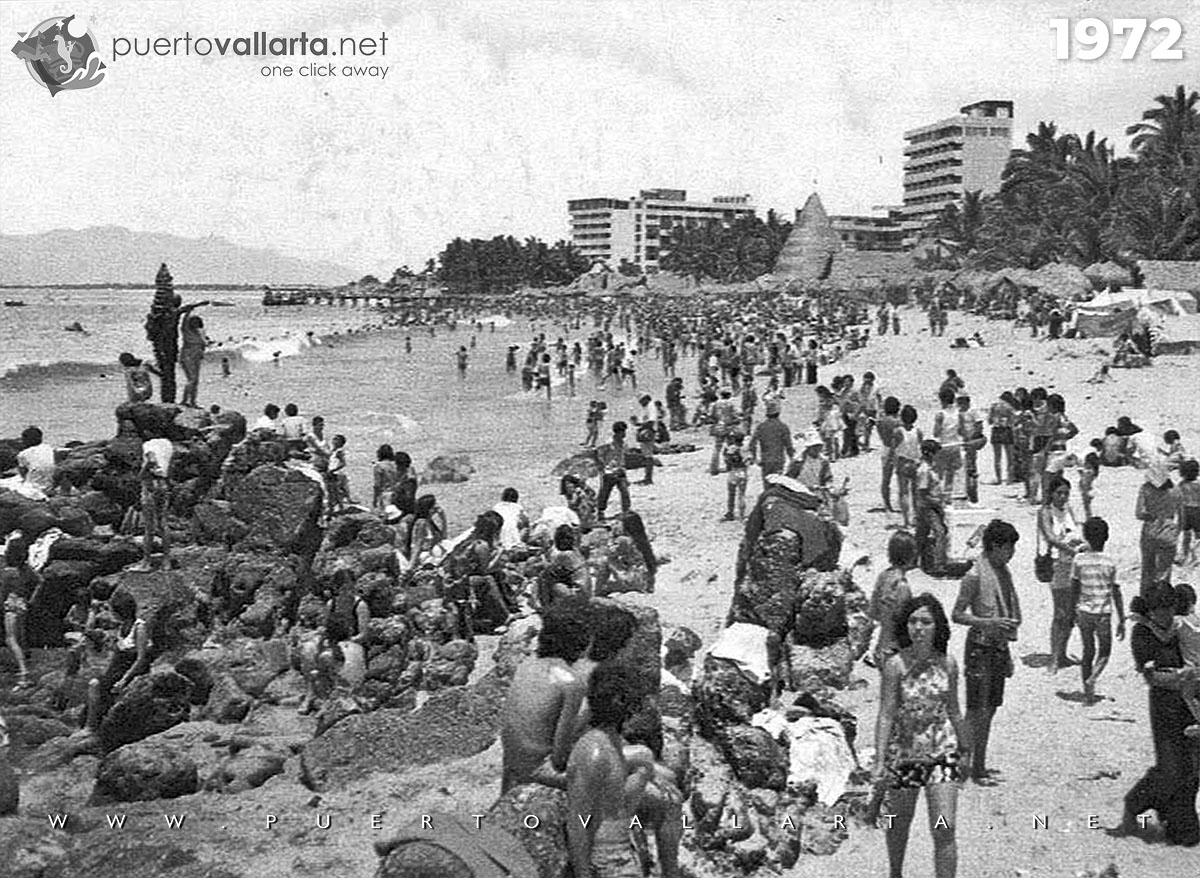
493 114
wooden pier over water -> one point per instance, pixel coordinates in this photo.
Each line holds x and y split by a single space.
351 296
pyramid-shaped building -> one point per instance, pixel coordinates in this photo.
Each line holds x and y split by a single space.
810 249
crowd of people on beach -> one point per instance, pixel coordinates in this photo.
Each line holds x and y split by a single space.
563 722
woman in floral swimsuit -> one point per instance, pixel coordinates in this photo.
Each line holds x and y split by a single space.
920 734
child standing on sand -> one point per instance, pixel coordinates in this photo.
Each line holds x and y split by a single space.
736 467
1189 510
594 416
1096 592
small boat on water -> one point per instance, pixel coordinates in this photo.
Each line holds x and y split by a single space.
14 303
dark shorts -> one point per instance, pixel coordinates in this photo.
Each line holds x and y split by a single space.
986 668
1002 435
1191 519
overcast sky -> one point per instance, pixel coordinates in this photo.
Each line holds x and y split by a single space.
493 114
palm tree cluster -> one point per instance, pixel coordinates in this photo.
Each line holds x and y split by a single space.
742 250
503 264
1067 198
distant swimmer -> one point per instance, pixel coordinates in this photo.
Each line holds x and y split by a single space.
492 324
275 356
225 370
461 360
472 342
408 344
75 327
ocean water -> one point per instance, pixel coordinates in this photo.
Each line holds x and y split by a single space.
362 382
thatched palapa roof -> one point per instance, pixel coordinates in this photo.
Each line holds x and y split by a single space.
811 245
1164 275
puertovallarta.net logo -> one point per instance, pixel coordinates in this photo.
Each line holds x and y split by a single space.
60 54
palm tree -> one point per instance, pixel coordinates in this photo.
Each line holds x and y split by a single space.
1164 134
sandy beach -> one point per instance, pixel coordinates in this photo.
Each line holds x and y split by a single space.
1065 766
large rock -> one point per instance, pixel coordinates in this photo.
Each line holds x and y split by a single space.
145 771
106 555
35 517
756 758
725 695
281 508
825 602
452 724
813 668
547 842
166 599
151 704
448 468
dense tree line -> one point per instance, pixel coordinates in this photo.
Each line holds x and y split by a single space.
1067 198
503 264
740 251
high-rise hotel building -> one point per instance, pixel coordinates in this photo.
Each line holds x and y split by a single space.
636 229
946 158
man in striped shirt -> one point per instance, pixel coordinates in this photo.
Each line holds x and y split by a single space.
1096 591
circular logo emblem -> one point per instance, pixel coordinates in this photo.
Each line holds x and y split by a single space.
60 54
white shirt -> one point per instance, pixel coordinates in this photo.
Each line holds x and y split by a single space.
510 531
38 463
264 423
158 453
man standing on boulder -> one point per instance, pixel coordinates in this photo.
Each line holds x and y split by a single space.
156 497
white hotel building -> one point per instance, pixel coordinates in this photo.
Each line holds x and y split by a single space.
958 154
635 229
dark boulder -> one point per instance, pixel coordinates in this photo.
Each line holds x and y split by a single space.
106 555
151 704
725 696
757 759
547 841
280 507
452 724
145 771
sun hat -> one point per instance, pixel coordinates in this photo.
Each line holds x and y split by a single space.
811 438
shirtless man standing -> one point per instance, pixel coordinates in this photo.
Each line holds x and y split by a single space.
540 717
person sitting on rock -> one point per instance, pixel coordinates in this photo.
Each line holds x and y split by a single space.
472 587
566 572
581 499
347 628
540 718
626 562
131 659
139 387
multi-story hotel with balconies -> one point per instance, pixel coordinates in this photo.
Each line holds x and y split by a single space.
946 158
636 229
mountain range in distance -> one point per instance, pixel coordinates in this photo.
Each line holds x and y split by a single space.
118 256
